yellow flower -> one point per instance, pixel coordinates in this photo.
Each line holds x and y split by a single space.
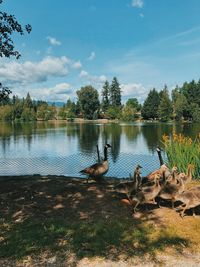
165 138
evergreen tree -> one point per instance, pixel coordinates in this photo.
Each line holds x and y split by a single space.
115 93
150 106
28 101
165 107
180 106
105 96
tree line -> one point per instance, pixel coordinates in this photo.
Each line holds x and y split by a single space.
183 104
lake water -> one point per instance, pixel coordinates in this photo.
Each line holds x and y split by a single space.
62 148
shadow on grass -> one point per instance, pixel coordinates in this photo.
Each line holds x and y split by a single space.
106 238
66 217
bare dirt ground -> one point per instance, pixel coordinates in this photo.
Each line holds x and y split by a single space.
63 221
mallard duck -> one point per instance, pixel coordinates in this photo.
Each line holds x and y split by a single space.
97 170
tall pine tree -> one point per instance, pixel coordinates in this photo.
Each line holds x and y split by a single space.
165 107
105 96
115 93
150 107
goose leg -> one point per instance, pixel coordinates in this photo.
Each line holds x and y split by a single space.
173 203
137 203
193 212
183 211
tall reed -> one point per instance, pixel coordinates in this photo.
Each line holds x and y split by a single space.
181 151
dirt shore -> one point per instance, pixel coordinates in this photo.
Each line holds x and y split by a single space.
63 221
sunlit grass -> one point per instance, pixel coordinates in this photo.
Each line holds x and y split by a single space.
99 238
181 151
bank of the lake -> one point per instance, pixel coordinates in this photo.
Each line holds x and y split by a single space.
63 221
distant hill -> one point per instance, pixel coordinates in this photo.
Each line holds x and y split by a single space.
56 103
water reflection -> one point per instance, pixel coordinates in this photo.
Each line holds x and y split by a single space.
87 135
153 133
51 141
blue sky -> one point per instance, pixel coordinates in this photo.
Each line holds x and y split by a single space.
144 43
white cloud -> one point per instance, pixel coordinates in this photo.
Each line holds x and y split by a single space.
29 72
92 56
53 41
137 3
93 79
136 90
77 65
83 73
59 92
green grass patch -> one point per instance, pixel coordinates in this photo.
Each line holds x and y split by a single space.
84 238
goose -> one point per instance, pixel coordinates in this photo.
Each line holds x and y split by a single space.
171 191
97 170
163 168
130 187
147 194
188 176
173 177
190 199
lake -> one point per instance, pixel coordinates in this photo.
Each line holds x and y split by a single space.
63 148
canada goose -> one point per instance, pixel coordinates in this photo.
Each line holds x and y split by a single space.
147 194
97 170
173 177
171 191
188 176
190 199
158 149
130 187
162 170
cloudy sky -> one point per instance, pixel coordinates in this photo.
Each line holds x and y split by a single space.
144 43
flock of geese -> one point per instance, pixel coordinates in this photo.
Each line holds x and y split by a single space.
161 184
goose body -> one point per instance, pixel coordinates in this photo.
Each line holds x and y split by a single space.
130 187
97 170
171 191
163 170
147 194
190 199
188 176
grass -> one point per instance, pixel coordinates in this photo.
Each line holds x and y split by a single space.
43 217
181 151
85 239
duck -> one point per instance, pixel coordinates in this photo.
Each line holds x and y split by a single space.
130 187
147 194
98 169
